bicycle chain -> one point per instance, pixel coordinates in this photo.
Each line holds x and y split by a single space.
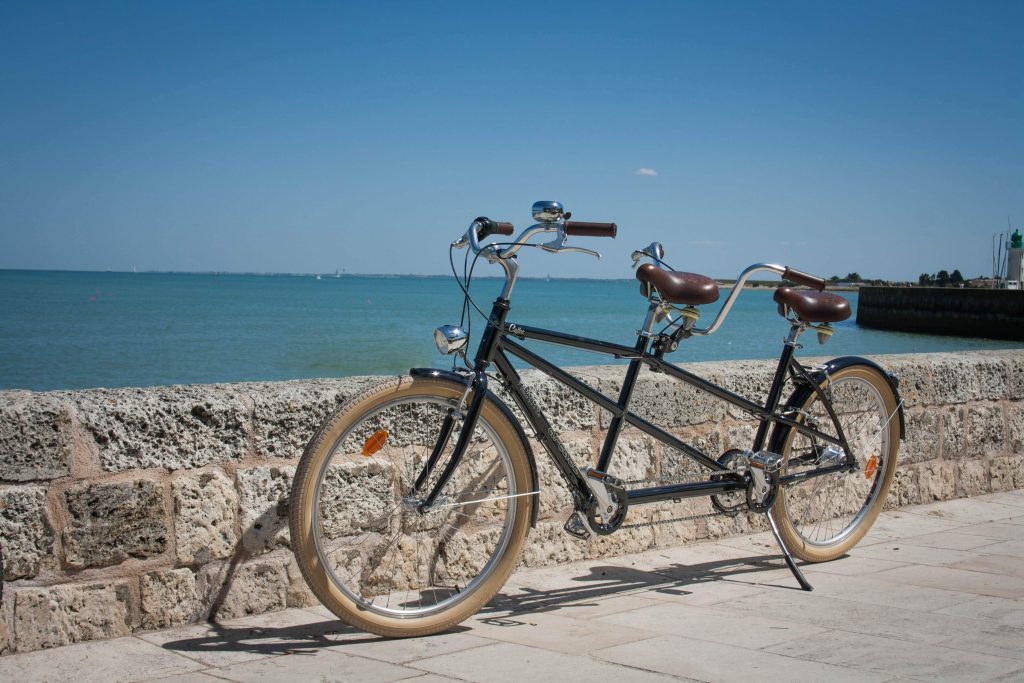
673 520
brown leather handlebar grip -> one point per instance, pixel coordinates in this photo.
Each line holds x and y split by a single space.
501 228
803 278
584 229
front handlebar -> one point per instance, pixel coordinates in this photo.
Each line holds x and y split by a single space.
483 227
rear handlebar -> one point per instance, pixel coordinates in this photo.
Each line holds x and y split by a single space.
801 278
584 229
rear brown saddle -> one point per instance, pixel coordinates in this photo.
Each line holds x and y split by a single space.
691 289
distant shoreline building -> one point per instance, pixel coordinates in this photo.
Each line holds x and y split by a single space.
1015 261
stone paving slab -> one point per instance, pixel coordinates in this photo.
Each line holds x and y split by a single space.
936 594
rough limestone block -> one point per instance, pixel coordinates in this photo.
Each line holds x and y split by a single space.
51 617
985 433
35 436
169 598
236 590
740 435
168 427
205 507
677 466
26 537
904 489
954 434
565 409
1007 472
264 501
1015 420
6 646
1014 375
667 534
554 498
749 379
108 523
297 592
914 373
972 479
286 414
547 544
622 542
960 378
922 436
667 402
937 480
633 458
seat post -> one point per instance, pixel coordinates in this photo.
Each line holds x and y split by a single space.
626 394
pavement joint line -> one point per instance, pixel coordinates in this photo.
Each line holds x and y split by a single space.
138 637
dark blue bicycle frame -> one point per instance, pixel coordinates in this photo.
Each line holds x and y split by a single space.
497 342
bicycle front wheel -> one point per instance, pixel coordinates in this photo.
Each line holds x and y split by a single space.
821 518
364 548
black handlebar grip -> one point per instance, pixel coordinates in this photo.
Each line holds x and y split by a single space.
501 228
803 278
585 229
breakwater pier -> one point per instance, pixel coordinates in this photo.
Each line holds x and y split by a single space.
986 313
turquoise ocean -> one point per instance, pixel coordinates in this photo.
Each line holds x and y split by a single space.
72 330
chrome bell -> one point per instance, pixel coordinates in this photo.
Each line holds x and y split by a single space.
548 212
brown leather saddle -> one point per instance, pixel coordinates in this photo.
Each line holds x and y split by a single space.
676 287
811 306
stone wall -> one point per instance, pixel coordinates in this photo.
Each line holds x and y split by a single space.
988 313
131 509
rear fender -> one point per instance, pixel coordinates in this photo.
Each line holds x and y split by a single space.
462 381
804 390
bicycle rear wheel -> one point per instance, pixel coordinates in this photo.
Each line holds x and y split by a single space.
821 518
364 548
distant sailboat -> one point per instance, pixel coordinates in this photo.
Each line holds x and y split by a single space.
317 277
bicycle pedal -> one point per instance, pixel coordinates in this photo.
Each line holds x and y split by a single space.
577 527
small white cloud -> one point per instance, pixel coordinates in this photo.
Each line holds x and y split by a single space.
650 172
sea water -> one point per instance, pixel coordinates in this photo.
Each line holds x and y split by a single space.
71 330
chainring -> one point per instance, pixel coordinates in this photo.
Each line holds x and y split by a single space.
609 524
736 501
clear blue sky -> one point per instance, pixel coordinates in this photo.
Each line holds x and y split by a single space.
884 138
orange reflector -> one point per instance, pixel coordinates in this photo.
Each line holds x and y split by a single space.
871 467
375 443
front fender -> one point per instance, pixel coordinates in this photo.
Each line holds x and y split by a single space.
463 380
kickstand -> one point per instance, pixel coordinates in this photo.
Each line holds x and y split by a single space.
804 585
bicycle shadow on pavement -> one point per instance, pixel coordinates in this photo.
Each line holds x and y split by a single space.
600 583
611 581
276 640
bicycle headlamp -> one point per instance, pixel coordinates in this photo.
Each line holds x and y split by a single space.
450 338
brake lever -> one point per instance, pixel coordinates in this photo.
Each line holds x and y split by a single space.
581 250
557 246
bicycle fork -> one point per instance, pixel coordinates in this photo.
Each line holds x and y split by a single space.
478 385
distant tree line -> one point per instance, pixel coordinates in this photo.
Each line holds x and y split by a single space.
941 279
855 277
